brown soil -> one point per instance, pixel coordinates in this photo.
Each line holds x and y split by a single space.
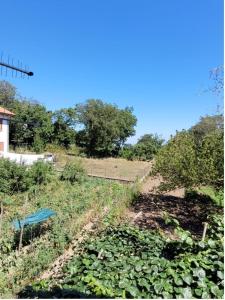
148 210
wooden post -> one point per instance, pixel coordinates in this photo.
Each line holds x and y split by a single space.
204 230
21 237
1 217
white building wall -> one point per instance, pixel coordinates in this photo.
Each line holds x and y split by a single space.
4 135
26 159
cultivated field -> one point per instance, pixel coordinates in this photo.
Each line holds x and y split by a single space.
113 168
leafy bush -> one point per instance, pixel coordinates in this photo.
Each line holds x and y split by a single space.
38 144
40 173
182 163
13 177
126 262
210 157
127 152
73 172
18 178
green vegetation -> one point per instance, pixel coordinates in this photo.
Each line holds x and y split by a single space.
207 125
216 196
64 122
73 171
75 206
106 127
127 262
145 149
18 178
182 163
118 260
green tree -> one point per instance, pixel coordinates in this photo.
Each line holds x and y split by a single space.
106 127
145 149
177 162
64 121
211 159
31 125
7 94
206 125
183 163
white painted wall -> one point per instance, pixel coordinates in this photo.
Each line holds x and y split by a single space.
27 159
4 134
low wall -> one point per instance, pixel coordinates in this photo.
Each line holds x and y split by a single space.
26 159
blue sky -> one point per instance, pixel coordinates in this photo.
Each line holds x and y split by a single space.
154 55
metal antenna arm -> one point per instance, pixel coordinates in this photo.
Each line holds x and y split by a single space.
16 69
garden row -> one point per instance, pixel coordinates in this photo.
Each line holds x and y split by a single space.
126 262
75 198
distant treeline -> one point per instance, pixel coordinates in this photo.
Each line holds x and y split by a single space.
95 127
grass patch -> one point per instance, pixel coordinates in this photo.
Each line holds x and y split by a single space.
115 168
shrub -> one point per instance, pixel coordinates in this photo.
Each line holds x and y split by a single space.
40 173
73 150
73 172
13 177
211 159
177 162
127 152
17 178
183 163
38 144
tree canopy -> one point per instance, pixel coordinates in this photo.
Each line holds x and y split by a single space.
105 126
64 122
206 125
184 163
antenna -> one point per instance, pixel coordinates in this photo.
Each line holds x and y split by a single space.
17 68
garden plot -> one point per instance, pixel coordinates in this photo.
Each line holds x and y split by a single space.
111 168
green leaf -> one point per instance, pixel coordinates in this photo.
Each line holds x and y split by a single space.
86 261
138 267
199 272
133 291
158 287
198 292
187 294
143 282
187 278
178 281
220 275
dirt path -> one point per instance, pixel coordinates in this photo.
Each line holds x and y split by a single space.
55 269
152 183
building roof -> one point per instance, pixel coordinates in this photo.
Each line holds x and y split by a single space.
6 112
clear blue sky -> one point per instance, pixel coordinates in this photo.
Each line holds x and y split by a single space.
154 55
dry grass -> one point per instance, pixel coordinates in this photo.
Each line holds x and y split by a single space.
114 168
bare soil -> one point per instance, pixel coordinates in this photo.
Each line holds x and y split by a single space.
148 209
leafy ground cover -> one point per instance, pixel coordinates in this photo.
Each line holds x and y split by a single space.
126 262
75 204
